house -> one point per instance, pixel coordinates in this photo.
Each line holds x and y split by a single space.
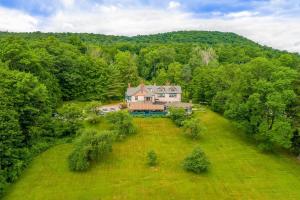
153 94
154 100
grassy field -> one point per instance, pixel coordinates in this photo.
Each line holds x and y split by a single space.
239 170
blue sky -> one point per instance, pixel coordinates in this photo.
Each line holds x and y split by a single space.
274 23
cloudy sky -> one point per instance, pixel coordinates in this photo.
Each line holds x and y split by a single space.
274 23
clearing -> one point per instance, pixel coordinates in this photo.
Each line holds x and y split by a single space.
239 170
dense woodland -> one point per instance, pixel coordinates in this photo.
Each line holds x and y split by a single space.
255 86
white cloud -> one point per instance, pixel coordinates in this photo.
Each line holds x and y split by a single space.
173 5
14 20
278 32
241 14
67 3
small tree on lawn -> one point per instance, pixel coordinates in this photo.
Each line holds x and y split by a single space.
121 123
90 146
197 162
177 115
151 158
192 128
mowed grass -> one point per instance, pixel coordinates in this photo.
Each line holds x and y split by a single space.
239 170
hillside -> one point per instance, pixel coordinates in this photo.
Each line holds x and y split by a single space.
201 37
239 170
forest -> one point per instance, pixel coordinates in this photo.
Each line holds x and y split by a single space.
255 86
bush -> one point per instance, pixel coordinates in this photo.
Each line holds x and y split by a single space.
121 123
177 115
151 158
192 128
90 146
197 162
78 159
94 119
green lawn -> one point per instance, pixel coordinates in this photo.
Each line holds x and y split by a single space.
239 170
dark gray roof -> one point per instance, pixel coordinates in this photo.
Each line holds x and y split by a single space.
154 89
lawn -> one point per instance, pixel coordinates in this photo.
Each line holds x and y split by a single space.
239 170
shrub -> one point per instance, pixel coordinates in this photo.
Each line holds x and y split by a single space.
151 158
121 123
78 159
94 119
197 162
90 146
177 115
192 128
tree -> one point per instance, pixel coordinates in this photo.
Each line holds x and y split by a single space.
174 72
121 123
197 162
203 57
192 128
90 146
13 149
67 120
262 95
162 77
177 115
127 65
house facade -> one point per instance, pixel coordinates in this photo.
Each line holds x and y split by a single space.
153 94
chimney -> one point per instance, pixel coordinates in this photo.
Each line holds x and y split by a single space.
129 85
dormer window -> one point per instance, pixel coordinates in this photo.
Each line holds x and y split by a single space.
173 89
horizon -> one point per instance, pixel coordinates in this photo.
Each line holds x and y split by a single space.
273 23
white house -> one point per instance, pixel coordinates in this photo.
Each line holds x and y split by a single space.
153 94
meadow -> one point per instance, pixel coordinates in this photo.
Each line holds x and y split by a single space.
238 169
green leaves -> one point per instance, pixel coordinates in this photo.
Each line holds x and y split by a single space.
196 162
90 146
192 128
258 96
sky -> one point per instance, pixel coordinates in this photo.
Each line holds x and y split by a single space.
274 23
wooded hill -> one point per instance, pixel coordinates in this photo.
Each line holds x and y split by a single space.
258 87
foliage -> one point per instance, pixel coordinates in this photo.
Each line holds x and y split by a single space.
196 162
151 158
93 119
90 146
68 120
192 128
258 95
177 115
121 123
296 142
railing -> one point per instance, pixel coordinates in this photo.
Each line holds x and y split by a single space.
148 114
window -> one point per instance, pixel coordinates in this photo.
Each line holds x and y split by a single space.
136 98
161 95
172 95
173 89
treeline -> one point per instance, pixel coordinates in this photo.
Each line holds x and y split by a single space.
258 87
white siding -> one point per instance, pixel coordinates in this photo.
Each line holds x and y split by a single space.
167 98
139 99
